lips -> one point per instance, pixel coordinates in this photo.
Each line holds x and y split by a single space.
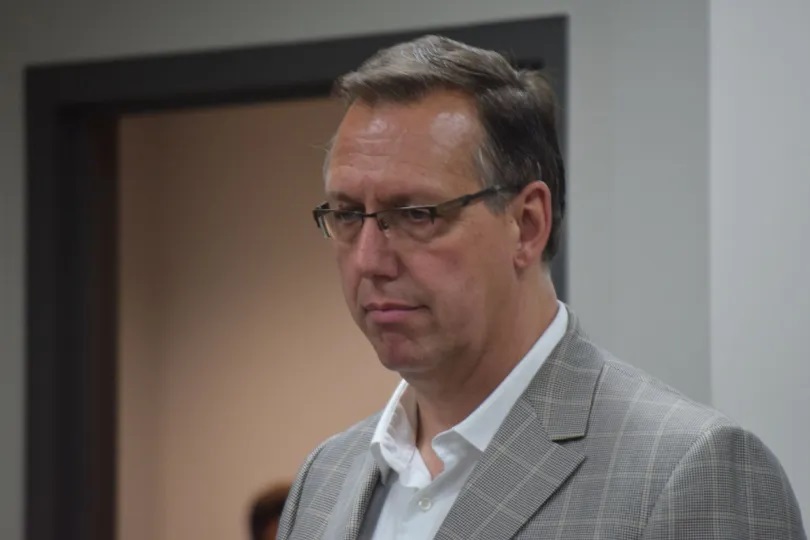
387 306
389 312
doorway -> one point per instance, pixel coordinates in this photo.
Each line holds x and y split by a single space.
76 116
224 280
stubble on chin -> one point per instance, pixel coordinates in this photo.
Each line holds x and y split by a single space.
396 352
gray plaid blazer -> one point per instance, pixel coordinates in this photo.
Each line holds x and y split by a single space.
594 449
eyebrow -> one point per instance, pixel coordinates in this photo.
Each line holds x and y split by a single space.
339 196
393 201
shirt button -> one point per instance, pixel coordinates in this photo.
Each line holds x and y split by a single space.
425 504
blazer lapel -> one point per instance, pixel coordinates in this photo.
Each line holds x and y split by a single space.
347 516
524 464
518 473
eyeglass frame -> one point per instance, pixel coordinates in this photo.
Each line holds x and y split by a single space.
320 212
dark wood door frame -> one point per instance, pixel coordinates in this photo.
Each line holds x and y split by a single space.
72 112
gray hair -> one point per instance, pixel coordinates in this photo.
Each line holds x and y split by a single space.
516 108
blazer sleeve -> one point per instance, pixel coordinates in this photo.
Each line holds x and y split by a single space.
728 486
291 506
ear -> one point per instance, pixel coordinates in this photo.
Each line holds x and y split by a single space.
532 214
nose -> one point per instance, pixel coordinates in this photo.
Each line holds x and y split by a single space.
373 255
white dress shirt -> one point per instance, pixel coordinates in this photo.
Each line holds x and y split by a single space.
416 505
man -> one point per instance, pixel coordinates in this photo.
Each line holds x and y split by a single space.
445 194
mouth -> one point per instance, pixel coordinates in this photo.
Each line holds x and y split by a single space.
390 312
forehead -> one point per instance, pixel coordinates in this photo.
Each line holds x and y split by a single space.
428 143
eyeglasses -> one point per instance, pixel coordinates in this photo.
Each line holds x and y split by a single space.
415 222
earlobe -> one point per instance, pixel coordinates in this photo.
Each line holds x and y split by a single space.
517 236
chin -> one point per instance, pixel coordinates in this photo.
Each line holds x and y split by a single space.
401 355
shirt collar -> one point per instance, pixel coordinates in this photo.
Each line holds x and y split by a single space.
394 435
394 432
480 426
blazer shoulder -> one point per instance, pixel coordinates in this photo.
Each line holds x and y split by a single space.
728 481
322 475
646 404
356 437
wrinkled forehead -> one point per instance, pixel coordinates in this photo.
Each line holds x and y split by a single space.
435 137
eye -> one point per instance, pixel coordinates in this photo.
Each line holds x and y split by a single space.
346 217
417 215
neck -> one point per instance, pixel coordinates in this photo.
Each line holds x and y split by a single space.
446 399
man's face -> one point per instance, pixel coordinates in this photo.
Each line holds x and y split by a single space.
422 304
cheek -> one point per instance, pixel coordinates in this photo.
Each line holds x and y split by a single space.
468 284
349 278
450 283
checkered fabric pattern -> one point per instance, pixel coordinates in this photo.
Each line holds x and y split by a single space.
594 449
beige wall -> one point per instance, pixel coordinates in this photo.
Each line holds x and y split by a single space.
237 353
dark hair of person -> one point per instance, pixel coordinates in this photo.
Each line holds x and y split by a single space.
516 108
265 508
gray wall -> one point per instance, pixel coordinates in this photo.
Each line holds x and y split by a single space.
638 154
760 225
